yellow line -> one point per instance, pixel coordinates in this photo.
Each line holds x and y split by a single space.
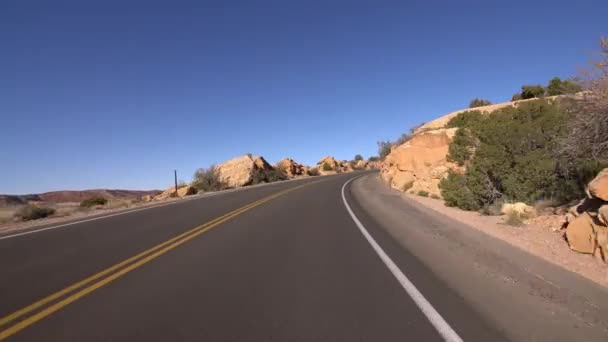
172 243
85 281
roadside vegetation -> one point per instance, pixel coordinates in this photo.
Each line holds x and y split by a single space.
207 180
555 87
538 151
479 103
33 212
313 171
423 193
269 176
91 202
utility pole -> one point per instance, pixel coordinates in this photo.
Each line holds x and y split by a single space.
175 174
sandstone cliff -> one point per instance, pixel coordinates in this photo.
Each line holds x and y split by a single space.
420 163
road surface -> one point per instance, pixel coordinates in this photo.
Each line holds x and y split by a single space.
292 261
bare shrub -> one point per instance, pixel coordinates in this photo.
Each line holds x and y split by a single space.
208 180
588 126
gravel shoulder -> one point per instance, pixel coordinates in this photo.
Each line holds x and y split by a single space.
536 237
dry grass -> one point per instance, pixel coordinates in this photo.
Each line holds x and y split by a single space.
117 204
6 214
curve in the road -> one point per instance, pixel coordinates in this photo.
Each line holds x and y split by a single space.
444 329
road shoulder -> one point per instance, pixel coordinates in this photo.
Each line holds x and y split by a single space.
523 295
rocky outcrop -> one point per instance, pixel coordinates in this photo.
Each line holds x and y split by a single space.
587 222
183 191
292 168
420 163
243 171
335 165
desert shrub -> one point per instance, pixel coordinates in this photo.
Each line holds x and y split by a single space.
373 159
514 220
268 176
493 209
514 158
532 91
91 202
33 212
467 119
479 103
313 171
558 87
407 186
327 167
275 175
358 157
402 139
456 193
208 180
435 196
462 147
423 193
516 97
384 148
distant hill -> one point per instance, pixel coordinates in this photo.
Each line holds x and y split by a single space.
73 196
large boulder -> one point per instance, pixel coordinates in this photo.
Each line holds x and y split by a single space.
420 163
291 168
243 171
581 235
598 187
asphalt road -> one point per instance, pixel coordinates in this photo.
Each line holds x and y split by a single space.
283 262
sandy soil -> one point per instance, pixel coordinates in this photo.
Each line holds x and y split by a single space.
65 214
537 237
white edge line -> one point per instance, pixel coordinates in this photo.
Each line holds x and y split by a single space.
440 324
195 197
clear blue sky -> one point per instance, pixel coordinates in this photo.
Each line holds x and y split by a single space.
116 94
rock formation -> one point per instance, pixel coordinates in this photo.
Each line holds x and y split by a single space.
335 165
420 163
587 222
292 168
183 191
243 170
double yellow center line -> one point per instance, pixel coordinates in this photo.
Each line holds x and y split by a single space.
97 280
